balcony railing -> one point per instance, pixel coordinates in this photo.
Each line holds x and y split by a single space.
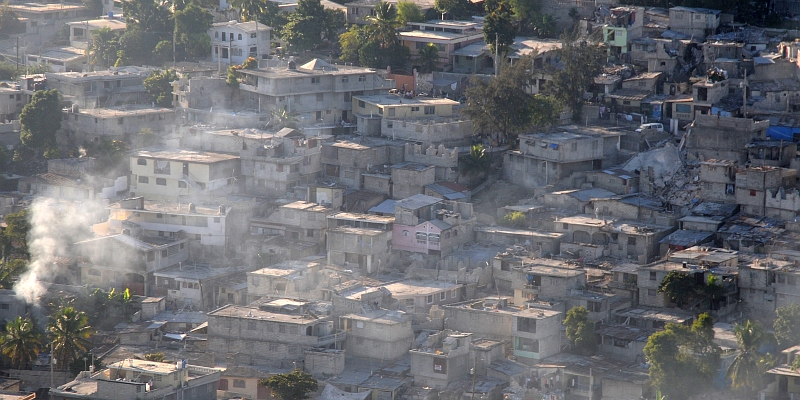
330 339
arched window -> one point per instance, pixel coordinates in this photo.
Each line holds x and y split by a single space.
141 161
405 233
240 37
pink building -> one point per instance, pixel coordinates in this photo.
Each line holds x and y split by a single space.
425 224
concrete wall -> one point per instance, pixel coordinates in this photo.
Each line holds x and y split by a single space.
408 182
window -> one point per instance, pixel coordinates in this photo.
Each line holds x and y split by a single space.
440 365
443 296
752 193
141 161
653 275
392 112
315 79
361 104
526 324
429 299
239 383
182 184
345 79
164 255
216 34
414 109
362 78
144 179
631 241
626 102
525 344
273 347
454 293
405 233
119 121
252 36
161 181
594 306
430 110
239 37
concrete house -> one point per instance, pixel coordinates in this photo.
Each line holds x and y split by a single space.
534 333
409 179
59 59
418 296
718 180
299 221
447 35
233 42
543 159
542 243
197 285
203 226
621 26
695 22
296 279
543 279
715 137
123 261
109 88
648 81
131 379
169 174
425 224
361 240
80 32
277 330
786 383
441 359
616 180
345 161
754 185
397 110
377 334
623 342
83 126
318 93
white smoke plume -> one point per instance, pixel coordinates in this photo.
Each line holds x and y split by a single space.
55 226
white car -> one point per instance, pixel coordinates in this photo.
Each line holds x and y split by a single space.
654 127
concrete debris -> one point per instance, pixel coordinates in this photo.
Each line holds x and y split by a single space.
665 163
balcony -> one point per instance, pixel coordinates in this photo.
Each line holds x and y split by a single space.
623 285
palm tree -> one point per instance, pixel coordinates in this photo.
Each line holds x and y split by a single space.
477 162
21 342
385 23
428 56
747 369
69 330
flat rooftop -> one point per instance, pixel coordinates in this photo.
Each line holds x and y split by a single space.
197 272
44 7
396 100
173 208
125 111
362 217
503 230
113 24
357 231
255 313
305 206
200 157
410 288
144 366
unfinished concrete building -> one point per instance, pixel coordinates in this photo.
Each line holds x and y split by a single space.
377 334
274 331
544 159
441 359
753 191
720 138
718 181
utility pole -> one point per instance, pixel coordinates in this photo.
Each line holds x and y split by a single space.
174 30
496 52
17 69
474 374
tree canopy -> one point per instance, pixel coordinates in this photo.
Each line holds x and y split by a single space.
748 369
295 385
191 25
499 29
159 88
788 319
504 104
21 342
309 24
683 360
41 119
148 16
69 331
678 286
409 12
581 60
580 331
375 45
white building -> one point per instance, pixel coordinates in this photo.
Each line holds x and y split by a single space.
236 41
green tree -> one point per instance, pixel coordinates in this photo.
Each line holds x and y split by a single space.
104 47
333 24
476 163
580 331
409 12
785 325
139 46
748 368
9 21
385 23
544 25
713 291
455 9
191 25
21 342
15 237
514 219
251 10
157 357
273 17
499 29
69 330
581 61
163 51
94 8
351 41
295 385
148 16
111 156
683 361
428 56
305 26
158 86
678 286
41 119
504 106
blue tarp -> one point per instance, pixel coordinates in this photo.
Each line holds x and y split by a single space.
778 132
